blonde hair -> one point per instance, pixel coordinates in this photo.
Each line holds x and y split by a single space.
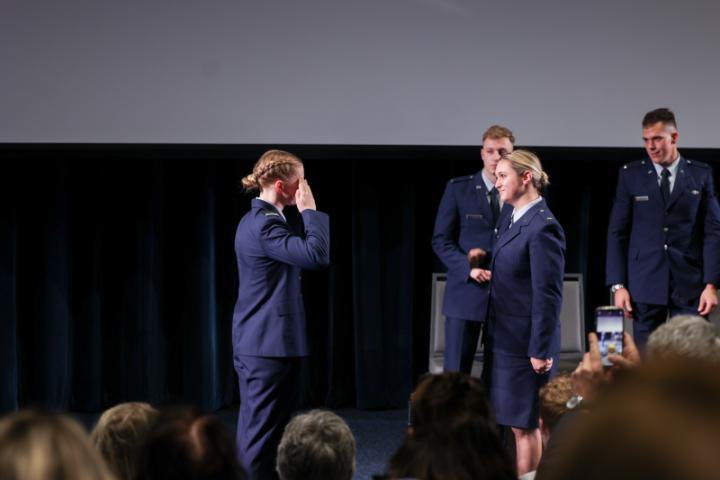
524 161
272 165
37 446
120 435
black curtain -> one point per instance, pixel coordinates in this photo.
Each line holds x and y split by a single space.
118 276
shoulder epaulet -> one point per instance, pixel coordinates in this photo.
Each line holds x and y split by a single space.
466 178
635 164
269 213
696 164
545 215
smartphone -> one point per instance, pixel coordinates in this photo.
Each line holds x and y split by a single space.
609 327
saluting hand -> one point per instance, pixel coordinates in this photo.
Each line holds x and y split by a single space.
303 196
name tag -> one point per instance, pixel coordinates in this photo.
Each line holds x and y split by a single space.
641 198
473 215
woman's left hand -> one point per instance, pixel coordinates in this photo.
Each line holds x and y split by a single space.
541 365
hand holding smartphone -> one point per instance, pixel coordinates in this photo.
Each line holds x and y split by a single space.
609 327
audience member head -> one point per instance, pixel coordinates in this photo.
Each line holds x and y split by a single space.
448 399
185 443
553 402
36 445
685 336
120 435
317 445
471 450
659 421
453 436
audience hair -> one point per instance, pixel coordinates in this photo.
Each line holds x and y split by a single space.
553 399
38 445
689 336
471 450
120 435
660 421
186 444
453 436
317 445
448 399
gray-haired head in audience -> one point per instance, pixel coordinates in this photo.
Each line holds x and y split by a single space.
317 445
688 336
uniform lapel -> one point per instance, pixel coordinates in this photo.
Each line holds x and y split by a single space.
680 184
481 193
507 236
651 181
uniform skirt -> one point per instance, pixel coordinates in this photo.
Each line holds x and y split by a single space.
513 388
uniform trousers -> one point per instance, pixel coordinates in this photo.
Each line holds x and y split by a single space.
269 392
461 339
647 317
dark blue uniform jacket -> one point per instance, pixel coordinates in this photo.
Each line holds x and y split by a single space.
269 317
464 221
647 240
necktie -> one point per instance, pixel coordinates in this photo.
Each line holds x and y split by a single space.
494 205
665 184
512 220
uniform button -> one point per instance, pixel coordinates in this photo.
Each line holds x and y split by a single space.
665 229
665 246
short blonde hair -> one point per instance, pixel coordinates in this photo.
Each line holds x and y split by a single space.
272 165
120 435
35 445
525 161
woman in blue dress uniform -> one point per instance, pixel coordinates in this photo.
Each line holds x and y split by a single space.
269 334
523 337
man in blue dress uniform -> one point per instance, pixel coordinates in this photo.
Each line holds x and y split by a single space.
467 217
663 246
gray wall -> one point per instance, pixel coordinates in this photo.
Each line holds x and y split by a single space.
559 72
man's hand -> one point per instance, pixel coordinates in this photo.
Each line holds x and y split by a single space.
303 196
480 275
708 300
622 300
541 365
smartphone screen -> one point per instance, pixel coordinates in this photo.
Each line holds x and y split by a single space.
609 328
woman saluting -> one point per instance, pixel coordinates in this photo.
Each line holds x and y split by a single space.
269 334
